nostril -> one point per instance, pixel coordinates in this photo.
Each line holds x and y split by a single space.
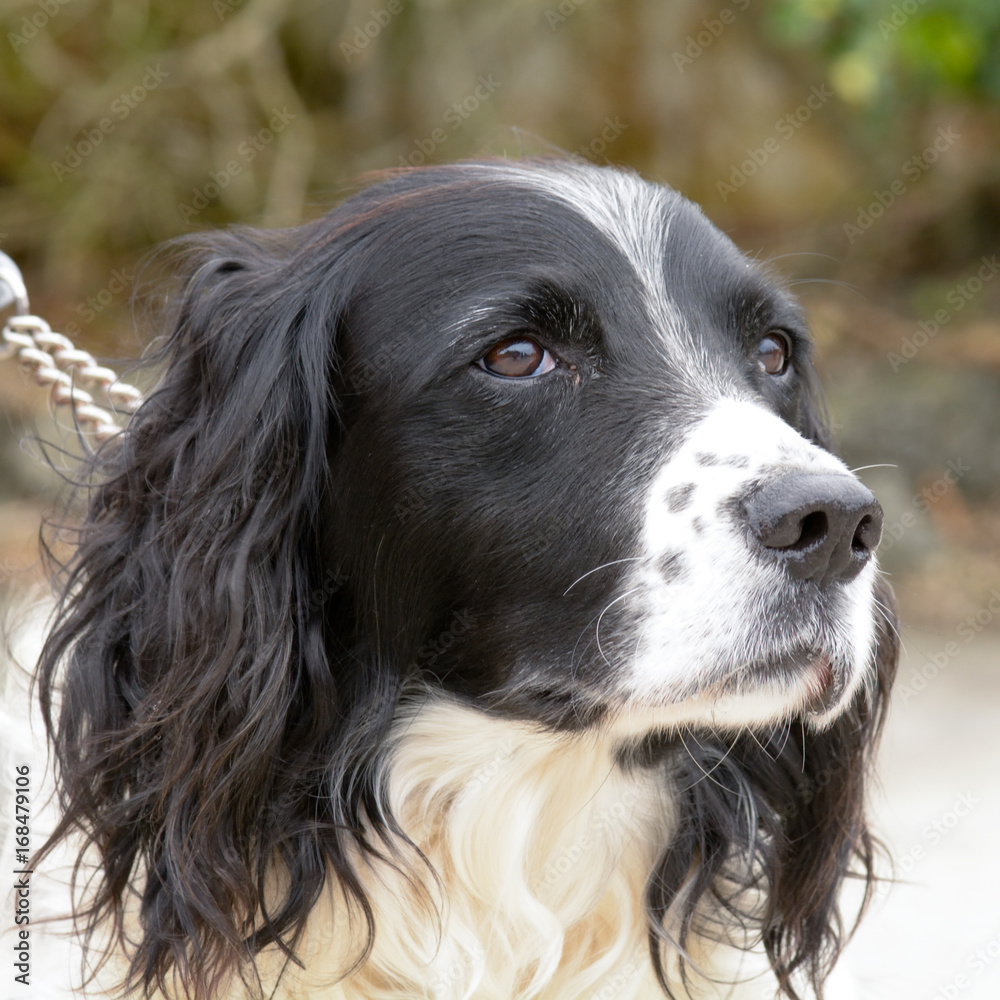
793 531
859 542
815 527
867 534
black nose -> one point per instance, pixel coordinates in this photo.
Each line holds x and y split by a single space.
821 527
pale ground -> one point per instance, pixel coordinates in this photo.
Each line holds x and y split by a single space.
936 934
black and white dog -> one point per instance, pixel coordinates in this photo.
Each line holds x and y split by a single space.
475 610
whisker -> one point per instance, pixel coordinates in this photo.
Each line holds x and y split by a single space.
638 642
787 736
753 736
597 630
880 465
888 617
828 281
805 253
697 763
614 562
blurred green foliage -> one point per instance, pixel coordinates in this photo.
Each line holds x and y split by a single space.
886 57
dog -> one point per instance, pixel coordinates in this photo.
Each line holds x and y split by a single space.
475 609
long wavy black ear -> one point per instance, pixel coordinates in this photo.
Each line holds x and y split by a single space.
189 684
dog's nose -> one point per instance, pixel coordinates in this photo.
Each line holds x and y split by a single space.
822 527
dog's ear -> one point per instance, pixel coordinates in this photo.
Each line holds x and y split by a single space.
768 829
190 683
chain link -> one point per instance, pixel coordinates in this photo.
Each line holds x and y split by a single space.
55 362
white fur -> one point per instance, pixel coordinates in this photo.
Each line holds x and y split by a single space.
543 846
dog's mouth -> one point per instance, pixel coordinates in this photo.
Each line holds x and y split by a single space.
806 681
825 686
808 672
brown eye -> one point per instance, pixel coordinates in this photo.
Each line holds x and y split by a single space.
773 352
517 357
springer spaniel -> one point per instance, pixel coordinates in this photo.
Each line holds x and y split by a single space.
475 610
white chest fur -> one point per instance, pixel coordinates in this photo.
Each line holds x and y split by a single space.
542 846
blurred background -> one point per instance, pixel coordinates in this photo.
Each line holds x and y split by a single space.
854 144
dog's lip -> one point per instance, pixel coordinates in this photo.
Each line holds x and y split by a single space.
810 669
823 685
810 679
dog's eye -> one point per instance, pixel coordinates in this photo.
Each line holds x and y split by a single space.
773 352
517 357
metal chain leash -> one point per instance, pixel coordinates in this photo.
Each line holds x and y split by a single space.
55 362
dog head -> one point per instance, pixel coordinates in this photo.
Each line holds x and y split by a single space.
533 436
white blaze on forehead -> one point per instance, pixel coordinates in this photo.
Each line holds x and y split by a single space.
632 213
739 427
